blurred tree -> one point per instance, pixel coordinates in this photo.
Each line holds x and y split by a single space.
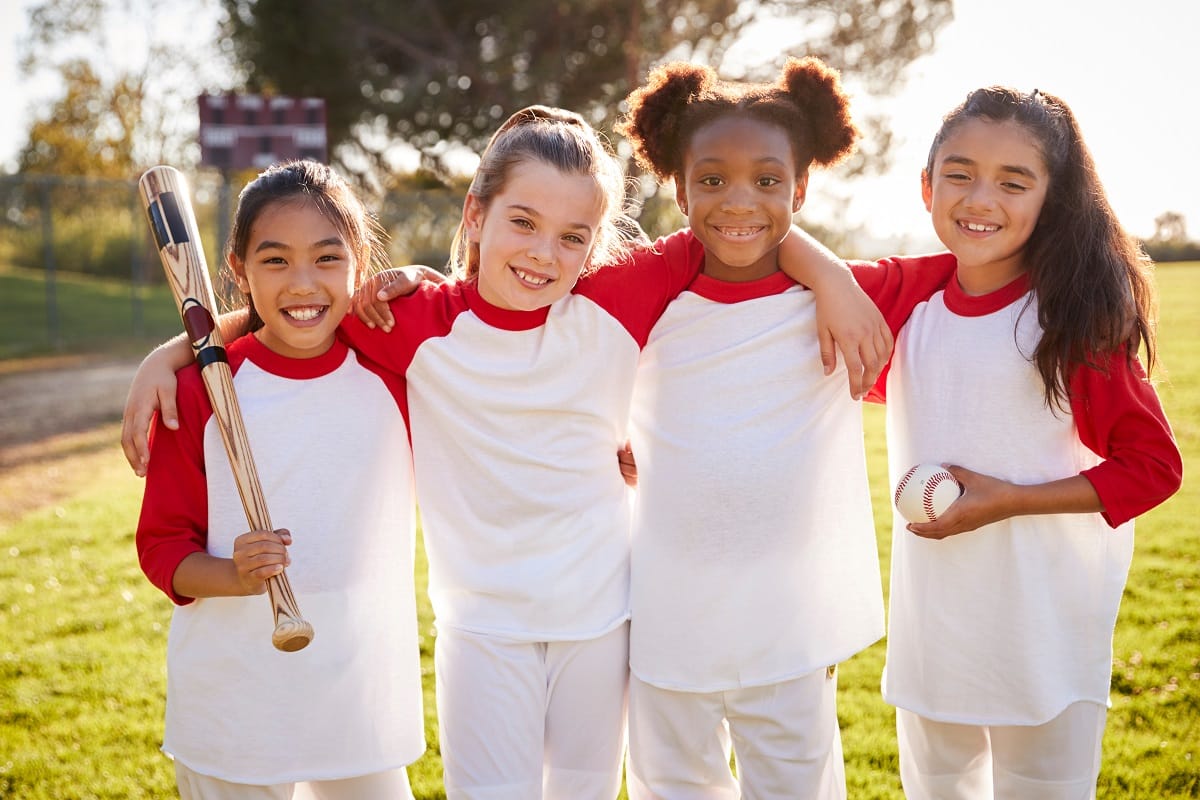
123 99
1170 227
90 130
1170 241
128 90
439 74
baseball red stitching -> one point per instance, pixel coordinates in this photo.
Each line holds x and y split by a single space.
930 486
900 486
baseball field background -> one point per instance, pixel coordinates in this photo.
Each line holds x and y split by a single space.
83 635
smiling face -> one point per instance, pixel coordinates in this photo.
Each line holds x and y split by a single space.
739 189
300 274
536 235
985 193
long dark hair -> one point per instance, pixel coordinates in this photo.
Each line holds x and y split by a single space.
1093 283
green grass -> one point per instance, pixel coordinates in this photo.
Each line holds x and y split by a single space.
89 314
82 634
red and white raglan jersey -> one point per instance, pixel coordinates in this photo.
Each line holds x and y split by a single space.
754 556
516 419
1009 624
340 479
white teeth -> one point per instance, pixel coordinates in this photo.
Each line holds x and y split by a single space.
305 313
980 227
737 232
534 279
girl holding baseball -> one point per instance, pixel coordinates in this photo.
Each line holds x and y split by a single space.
514 431
341 718
1024 376
754 565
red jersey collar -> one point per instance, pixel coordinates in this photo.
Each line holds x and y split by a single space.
966 305
736 291
249 348
502 318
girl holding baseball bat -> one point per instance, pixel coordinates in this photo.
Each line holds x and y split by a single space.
1024 376
519 379
341 718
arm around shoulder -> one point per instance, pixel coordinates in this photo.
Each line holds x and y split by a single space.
153 389
846 317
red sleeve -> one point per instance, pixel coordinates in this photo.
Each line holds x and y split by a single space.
636 292
898 285
174 518
1120 419
429 311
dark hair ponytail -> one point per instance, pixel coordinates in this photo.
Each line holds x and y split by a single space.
657 112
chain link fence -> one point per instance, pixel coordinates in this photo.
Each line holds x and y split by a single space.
55 228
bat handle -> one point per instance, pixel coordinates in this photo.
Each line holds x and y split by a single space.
292 631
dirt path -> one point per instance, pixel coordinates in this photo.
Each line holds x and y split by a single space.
49 397
59 428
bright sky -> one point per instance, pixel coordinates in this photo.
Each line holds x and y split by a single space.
1128 71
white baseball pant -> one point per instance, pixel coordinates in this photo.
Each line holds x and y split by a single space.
784 738
390 785
529 720
1059 760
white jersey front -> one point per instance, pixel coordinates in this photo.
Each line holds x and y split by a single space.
754 556
1011 623
516 419
340 479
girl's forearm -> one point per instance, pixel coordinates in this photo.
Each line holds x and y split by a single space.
1074 495
203 575
807 261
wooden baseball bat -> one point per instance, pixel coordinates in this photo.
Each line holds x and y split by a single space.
173 223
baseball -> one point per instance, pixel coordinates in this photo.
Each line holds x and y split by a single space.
925 492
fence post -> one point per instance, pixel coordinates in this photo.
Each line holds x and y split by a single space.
222 280
135 267
53 332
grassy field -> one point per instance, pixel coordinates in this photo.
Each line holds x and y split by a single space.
82 634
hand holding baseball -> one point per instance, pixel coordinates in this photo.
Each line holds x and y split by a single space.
984 500
925 491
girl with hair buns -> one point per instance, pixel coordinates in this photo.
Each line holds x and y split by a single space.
754 566
1002 610
519 376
